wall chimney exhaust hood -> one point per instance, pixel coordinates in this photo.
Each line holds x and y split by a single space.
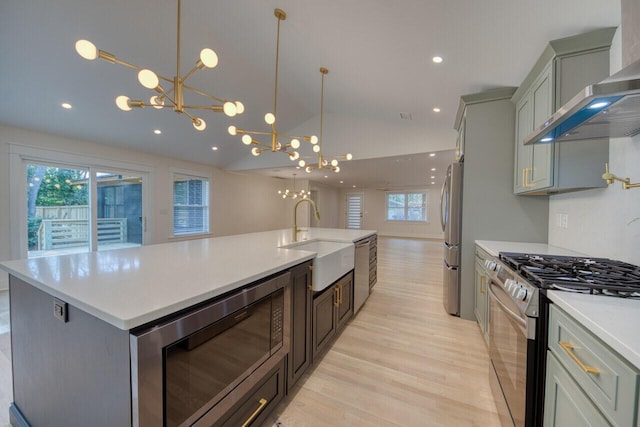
610 108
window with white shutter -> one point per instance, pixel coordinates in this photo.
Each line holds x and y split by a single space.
354 210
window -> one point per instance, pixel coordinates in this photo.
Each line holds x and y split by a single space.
408 206
190 204
354 210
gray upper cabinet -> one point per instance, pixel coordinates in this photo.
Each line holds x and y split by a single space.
564 68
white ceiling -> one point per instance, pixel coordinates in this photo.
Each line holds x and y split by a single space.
378 53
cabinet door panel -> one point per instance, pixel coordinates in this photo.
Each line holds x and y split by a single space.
523 152
565 404
541 175
324 319
345 308
301 306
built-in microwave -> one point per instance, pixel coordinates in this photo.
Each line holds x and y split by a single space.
184 366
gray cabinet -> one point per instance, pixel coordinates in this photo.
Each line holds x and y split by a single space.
563 69
481 306
586 378
299 357
332 308
373 261
565 402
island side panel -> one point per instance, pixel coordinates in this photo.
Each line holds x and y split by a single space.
66 374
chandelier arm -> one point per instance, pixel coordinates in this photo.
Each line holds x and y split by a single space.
199 92
256 133
306 138
214 108
190 73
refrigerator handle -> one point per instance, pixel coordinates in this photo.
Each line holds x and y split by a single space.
442 206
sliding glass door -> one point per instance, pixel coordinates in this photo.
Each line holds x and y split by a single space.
75 209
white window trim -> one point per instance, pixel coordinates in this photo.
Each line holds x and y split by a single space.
400 221
19 154
195 174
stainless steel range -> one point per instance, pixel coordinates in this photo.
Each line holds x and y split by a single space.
518 310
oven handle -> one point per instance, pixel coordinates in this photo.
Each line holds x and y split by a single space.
506 309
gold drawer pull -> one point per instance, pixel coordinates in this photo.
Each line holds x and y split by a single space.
336 294
263 403
483 286
568 347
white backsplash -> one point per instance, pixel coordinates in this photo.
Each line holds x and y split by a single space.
602 222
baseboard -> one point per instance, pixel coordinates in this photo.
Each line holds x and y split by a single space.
412 235
16 418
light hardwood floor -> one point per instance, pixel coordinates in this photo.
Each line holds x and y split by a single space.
402 361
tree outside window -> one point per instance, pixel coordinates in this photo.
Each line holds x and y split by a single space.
407 206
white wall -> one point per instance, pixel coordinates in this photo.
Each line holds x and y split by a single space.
328 202
374 206
606 222
241 203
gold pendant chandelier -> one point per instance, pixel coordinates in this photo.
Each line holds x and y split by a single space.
293 194
330 162
270 118
174 97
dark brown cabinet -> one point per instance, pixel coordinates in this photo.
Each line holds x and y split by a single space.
332 308
373 261
299 357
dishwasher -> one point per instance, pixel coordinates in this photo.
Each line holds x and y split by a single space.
361 273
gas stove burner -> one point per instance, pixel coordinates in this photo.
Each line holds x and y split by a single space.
600 276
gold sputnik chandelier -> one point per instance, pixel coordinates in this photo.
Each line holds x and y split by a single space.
270 118
330 162
174 97
293 194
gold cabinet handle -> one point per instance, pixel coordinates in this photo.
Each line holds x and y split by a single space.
311 281
483 285
525 176
340 290
568 347
263 403
336 294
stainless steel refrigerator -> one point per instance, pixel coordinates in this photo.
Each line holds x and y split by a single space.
451 220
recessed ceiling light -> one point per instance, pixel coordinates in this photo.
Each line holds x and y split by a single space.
436 110
432 182
297 167
432 154
157 131
341 182
433 177
433 169
214 148
437 59
66 106
326 176
354 186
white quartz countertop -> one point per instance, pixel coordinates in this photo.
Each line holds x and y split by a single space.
494 247
613 320
130 287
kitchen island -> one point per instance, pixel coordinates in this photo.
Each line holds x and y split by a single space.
108 294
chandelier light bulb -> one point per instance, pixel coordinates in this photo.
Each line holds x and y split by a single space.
86 49
295 196
295 143
239 107
122 102
246 139
313 139
284 196
208 58
302 163
316 148
255 151
334 163
295 156
148 79
279 191
307 169
233 131
336 169
199 124
229 108
156 102
325 163
269 118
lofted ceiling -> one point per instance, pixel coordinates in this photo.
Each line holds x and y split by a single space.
378 53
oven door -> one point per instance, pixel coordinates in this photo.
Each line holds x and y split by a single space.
508 351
